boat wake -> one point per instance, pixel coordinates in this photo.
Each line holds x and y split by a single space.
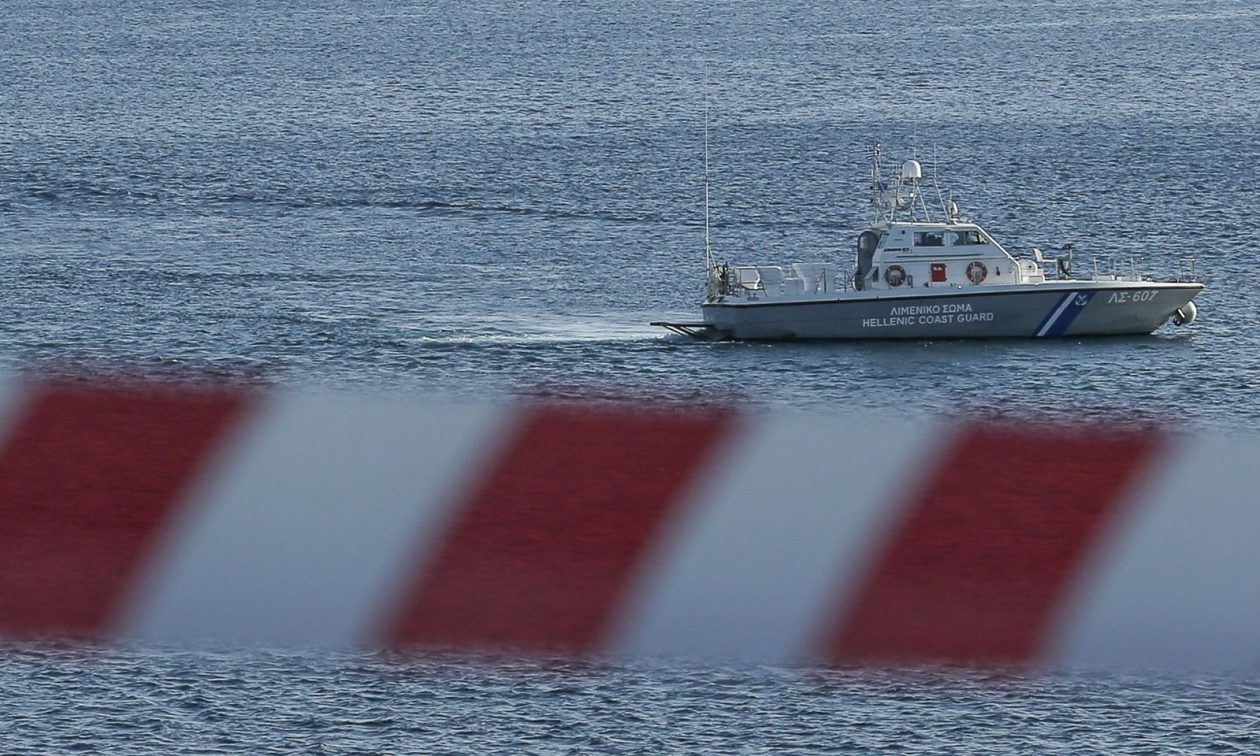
537 329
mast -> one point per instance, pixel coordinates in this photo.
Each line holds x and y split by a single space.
904 194
709 262
879 199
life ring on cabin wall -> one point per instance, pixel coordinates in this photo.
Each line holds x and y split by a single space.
977 272
894 275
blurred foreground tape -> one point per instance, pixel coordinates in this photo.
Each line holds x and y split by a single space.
161 513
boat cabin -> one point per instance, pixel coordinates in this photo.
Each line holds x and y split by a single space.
905 254
906 248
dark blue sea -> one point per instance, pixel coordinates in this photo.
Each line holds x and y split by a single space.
476 199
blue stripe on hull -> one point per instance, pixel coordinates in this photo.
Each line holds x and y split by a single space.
1064 321
1055 310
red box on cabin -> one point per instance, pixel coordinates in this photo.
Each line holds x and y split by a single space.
938 272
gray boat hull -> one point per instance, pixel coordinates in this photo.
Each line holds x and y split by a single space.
1068 308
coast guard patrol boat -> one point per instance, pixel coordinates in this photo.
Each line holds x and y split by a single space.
921 277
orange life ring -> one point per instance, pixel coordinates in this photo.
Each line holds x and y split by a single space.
894 275
977 272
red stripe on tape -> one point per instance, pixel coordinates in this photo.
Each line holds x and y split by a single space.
977 568
543 549
87 475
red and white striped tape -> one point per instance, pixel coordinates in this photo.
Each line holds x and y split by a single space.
179 514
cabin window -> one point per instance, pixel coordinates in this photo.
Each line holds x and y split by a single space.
929 239
959 238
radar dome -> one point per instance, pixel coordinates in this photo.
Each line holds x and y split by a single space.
911 170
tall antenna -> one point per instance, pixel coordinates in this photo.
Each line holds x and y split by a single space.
709 262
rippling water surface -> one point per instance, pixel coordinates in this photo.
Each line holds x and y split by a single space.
159 701
485 198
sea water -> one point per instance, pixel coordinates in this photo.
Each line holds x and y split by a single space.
476 199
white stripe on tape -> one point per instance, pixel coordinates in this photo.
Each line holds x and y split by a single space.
308 530
769 552
15 397
1174 584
